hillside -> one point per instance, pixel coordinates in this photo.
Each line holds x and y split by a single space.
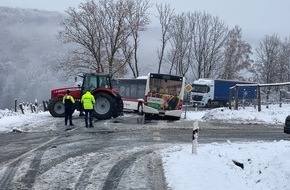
28 51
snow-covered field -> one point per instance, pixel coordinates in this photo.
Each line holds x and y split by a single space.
266 165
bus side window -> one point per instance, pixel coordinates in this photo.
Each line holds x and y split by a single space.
122 90
140 91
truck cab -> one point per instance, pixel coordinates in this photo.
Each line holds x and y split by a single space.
202 92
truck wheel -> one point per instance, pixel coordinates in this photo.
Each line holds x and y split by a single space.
56 108
209 104
104 106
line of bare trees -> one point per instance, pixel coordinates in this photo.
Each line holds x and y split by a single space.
202 45
192 44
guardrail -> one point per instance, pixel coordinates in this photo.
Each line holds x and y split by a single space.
32 107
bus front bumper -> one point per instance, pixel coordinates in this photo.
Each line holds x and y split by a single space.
172 113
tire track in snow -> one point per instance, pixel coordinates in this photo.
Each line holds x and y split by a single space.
141 170
13 165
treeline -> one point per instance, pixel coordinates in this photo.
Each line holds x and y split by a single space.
39 49
29 50
192 44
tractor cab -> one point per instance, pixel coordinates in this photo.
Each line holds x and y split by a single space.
93 81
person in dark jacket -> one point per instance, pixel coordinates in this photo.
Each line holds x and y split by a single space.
68 102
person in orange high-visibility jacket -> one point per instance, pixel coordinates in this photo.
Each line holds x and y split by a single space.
88 102
68 102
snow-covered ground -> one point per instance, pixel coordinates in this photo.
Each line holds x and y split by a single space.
266 165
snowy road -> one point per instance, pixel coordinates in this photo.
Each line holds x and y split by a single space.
116 154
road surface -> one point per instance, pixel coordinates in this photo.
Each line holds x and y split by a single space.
122 153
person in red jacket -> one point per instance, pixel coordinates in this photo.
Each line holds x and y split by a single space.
68 102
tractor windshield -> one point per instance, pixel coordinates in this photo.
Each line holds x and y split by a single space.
92 82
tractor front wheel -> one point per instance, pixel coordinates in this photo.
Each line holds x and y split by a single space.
56 108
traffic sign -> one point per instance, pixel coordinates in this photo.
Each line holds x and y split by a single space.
188 87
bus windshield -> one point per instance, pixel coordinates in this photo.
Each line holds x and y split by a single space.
165 86
164 93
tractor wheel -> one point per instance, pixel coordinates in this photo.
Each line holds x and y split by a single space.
104 106
119 107
56 108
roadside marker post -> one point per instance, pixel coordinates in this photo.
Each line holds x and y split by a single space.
195 131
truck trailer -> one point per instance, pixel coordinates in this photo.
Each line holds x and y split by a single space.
208 92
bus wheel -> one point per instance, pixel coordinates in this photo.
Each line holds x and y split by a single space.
140 108
147 116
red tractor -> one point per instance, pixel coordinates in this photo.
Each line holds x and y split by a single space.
108 101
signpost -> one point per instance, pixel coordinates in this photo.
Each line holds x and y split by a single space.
188 89
195 131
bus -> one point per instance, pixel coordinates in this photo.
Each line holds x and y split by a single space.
132 92
164 96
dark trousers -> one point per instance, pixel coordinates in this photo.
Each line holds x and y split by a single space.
88 116
68 116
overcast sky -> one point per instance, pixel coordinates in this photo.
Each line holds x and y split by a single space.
257 18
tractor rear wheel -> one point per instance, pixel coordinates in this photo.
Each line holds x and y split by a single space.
56 108
104 106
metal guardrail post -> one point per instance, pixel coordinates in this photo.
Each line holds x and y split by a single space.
230 99
236 97
15 105
259 98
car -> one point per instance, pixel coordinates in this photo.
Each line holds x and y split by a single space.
287 125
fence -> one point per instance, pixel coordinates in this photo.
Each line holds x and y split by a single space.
258 100
32 107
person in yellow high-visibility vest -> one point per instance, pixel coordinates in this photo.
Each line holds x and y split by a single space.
68 102
88 102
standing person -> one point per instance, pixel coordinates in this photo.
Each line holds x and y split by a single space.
88 102
68 102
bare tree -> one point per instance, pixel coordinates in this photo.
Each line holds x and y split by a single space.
138 21
165 18
102 31
209 38
266 66
180 56
80 28
284 61
267 59
236 55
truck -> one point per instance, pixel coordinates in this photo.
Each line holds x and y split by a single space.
208 92
109 103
